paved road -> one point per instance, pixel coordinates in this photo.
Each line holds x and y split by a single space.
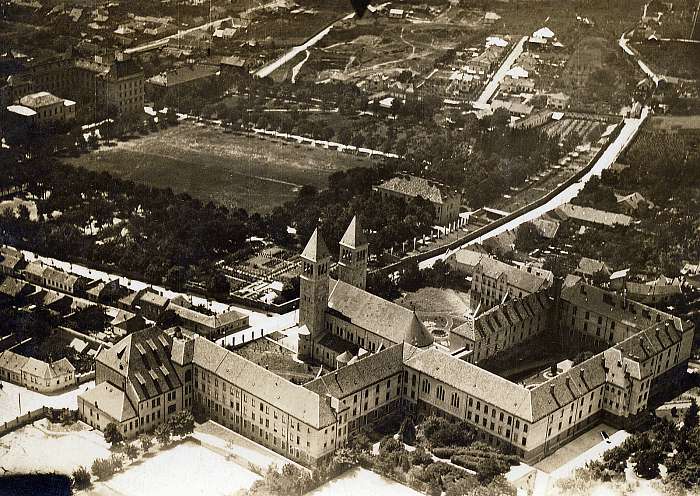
152 45
608 157
498 76
273 66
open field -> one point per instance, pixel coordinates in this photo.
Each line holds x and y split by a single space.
236 171
675 122
672 58
186 469
30 450
14 397
361 481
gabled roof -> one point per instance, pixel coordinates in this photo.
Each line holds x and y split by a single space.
315 249
474 381
417 187
13 287
12 361
354 236
363 373
139 357
111 400
47 370
297 401
377 315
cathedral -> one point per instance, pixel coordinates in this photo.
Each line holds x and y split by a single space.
339 320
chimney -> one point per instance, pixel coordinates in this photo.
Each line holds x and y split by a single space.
568 381
582 373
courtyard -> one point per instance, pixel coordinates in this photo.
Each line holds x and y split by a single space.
16 400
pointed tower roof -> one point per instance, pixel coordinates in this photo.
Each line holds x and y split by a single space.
354 236
316 249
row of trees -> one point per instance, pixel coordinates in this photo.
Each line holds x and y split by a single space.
677 446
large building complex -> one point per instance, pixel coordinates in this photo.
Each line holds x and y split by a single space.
382 359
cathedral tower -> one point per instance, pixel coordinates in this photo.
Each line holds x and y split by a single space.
352 263
313 292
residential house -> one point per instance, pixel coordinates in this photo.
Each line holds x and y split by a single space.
446 203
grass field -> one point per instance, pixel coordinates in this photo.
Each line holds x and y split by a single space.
672 58
235 171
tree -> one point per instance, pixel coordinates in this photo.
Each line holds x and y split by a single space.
647 463
81 478
181 424
176 277
690 419
146 442
218 284
116 462
162 433
112 434
407 432
131 451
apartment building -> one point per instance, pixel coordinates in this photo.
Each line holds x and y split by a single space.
494 281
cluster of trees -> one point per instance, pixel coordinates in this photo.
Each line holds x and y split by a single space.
412 278
665 169
675 446
170 237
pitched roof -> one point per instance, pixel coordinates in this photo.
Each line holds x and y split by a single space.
145 358
315 249
593 215
40 99
354 236
473 380
212 321
416 187
516 277
591 266
10 360
13 287
307 406
47 370
377 315
111 400
576 382
355 377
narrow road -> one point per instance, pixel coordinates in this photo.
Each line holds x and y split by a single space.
153 45
612 152
273 66
498 76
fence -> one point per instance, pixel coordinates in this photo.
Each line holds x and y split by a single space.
482 231
23 420
86 377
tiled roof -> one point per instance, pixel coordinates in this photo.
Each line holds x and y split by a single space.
593 215
111 400
154 299
40 99
377 315
297 401
139 354
12 361
516 277
315 249
591 266
354 236
13 287
469 258
576 382
211 321
416 187
337 344
504 316
45 370
473 380
361 374
35 269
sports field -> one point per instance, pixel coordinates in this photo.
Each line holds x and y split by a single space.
236 171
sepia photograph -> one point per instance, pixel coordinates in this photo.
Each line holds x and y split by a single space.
349 248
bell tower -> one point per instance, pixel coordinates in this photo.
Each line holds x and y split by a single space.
313 292
352 263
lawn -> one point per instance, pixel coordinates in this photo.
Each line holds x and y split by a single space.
187 469
236 171
361 481
30 450
436 300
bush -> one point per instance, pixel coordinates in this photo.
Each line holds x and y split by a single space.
146 442
390 445
445 453
116 462
420 457
440 432
131 451
81 478
102 469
